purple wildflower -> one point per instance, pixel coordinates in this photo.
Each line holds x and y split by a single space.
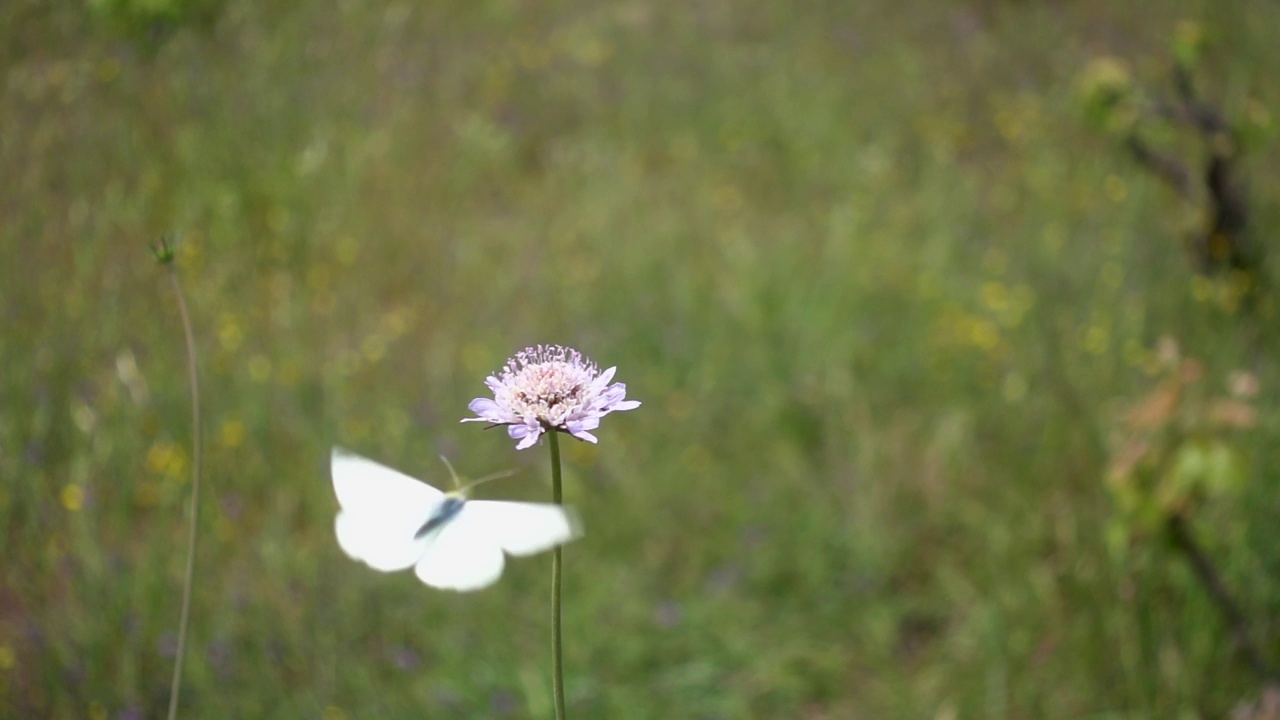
550 387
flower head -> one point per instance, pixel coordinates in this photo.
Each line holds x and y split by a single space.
550 387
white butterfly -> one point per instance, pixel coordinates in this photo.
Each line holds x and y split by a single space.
391 521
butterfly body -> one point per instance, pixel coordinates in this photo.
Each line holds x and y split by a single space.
446 511
391 521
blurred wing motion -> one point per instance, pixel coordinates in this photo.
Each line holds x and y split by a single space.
459 556
383 511
523 528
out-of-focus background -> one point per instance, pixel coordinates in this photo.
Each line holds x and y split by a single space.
951 319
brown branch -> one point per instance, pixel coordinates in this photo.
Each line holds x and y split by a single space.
1207 118
1208 575
1164 165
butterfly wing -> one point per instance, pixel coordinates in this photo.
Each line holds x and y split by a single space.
382 510
460 556
522 528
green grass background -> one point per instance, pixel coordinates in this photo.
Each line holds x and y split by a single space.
881 290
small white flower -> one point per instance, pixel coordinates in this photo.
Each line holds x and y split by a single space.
550 387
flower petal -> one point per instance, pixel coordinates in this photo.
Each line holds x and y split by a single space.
584 435
605 377
490 412
530 440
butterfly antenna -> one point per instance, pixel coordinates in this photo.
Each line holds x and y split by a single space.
495 476
462 489
456 483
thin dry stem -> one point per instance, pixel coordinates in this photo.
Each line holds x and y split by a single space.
193 377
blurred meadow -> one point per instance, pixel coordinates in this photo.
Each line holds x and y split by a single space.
887 293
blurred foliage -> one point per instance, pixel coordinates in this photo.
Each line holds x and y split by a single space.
1188 44
1106 89
1197 147
149 23
1174 449
879 284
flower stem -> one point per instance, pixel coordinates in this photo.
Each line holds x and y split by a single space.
557 671
193 377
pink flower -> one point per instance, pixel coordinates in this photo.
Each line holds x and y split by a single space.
550 387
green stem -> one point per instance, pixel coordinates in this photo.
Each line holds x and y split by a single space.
557 676
185 619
